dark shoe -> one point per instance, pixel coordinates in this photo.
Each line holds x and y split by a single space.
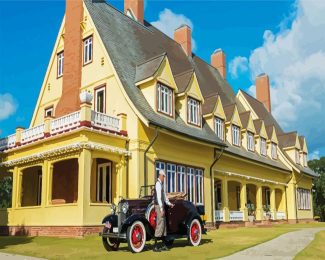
156 249
164 248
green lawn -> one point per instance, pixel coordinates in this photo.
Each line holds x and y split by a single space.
315 250
217 243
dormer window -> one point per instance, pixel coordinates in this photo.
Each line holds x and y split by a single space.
193 111
250 141
165 100
263 146
274 152
235 135
219 128
297 156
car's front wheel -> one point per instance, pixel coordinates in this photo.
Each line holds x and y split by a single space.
136 237
110 244
195 233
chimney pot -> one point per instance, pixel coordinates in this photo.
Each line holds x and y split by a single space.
263 90
183 35
136 7
218 60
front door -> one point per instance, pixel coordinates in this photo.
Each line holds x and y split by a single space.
104 182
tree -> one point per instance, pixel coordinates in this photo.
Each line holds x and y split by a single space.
5 192
318 166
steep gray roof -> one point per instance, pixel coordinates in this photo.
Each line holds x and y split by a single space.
148 68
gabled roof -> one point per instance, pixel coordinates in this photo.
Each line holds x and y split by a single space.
183 79
287 139
209 104
244 118
269 130
258 125
148 68
229 111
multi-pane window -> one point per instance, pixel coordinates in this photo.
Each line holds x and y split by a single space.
193 111
165 99
88 50
104 182
263 146
250 141
303 199
171 177
181 174
60 58
219 127
297 156
235 135
100 100
274 152
183 179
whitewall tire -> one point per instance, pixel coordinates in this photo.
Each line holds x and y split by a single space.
195 233
136 237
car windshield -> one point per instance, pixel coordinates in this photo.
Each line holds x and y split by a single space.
146 191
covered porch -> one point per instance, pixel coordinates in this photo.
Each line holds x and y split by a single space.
237 197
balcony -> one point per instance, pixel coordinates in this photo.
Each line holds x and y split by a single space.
54 126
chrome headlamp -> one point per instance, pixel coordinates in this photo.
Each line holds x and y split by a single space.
113 207
125 207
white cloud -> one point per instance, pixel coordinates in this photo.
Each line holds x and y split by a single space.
314 155
238 65
8 106
169 21
294 58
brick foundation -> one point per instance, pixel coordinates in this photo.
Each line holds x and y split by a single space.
53 231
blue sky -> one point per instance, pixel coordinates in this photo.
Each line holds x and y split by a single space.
255 35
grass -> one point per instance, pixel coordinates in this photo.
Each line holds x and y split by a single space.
216 244
315 250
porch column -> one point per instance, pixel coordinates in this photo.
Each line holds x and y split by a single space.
44 183
49 183
122 177
243 201
19 187
272 203
224 200
259 206
85 162
14 187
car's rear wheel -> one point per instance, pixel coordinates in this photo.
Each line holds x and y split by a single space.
151 216
136 237
195 233
110 244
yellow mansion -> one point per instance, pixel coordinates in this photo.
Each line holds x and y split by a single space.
121 100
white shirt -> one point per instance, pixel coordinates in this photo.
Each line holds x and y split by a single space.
158 192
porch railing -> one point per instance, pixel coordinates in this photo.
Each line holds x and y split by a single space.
271 214
66 122
280 215
104 121
236 216
32 134
8 142
219 215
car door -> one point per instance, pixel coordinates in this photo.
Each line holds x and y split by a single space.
175 216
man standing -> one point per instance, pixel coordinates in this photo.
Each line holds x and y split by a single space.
160 199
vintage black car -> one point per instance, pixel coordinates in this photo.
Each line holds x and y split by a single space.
133 222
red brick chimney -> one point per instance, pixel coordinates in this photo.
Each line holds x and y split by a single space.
136 7
183 35
263 90
72 64
218 60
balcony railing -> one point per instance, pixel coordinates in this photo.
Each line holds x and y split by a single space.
104 121
280 215
236 215
32 134
66 122
219 215
60 125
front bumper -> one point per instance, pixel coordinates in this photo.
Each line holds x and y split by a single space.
113 235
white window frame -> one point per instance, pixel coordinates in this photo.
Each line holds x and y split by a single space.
274 150
219 128
199 188
47 110
181 178
250 142
165 97
191 184
88 50
60 59
193 111
263 146
171 177
235 130
303 199
97 91
105 175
